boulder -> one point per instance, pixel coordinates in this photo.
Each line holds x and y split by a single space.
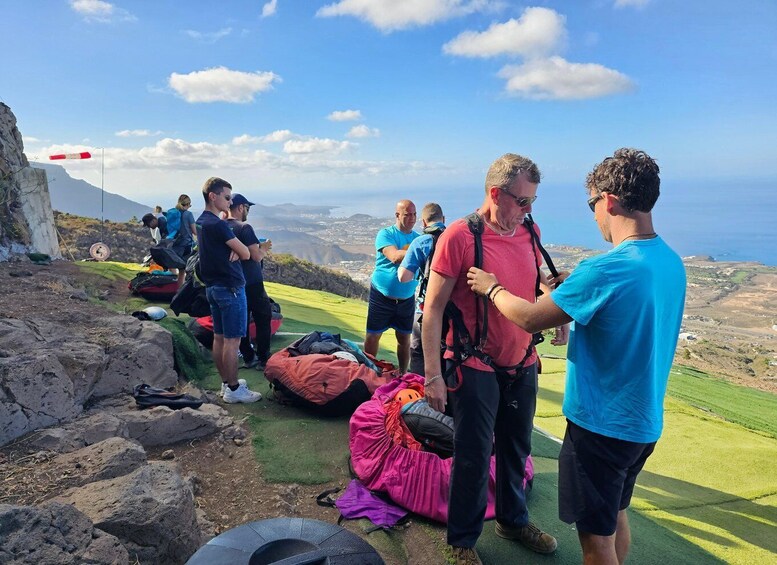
113 457
54 534
92 427
35 392
151 511
165 426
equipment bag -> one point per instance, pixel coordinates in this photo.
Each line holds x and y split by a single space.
148 396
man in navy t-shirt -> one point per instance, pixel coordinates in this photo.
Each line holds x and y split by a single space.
220 252
627 305
259 306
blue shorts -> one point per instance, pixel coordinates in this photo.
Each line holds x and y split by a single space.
384 313
229 309
596 477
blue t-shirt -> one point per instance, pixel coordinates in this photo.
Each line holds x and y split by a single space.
419 251
384 277
252 270
184 236
215 266
627 306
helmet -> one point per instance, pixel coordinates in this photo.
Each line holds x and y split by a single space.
155 312
407 395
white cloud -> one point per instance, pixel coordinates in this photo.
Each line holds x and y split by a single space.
31 139
631 3
363 131
557 79
274 137
221 84
539 31
100 11
269 8
137 133
345 115
315 145
392 15
208 36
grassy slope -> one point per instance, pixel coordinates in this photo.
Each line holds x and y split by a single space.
708 494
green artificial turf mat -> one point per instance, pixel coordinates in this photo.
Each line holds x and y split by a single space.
186 351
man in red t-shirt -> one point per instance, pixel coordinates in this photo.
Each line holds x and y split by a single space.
492 405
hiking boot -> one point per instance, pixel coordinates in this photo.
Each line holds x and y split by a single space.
225 387
465 556
530 536
242 394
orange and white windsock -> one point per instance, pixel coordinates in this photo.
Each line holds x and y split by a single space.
83 155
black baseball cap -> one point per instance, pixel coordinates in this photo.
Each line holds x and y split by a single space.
238 199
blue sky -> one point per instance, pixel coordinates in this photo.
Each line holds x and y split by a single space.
336 100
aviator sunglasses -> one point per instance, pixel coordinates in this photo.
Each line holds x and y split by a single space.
522 201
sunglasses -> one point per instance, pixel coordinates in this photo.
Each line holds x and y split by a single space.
522 201
593 200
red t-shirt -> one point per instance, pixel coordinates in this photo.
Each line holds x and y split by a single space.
513 261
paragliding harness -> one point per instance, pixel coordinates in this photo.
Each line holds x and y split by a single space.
464 346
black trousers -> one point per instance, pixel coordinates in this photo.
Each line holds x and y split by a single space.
490 411
260 310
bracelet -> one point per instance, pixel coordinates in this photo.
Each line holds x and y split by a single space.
491 289
427 382
493 298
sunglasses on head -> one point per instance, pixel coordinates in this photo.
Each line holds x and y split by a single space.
522 201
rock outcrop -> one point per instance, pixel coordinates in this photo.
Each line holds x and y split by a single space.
48 372
26 216
55 533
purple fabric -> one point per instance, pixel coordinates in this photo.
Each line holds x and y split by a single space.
358 502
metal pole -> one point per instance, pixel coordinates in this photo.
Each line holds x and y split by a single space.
102 196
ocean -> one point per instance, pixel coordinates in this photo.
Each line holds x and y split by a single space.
726 221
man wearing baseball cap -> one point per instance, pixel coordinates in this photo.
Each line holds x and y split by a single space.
258 302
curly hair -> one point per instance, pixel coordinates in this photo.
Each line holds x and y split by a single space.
631 175
506 169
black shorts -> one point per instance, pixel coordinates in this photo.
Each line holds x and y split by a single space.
384 313
596 476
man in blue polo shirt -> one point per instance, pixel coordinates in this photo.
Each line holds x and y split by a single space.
627 306
416 265
220 255
391 302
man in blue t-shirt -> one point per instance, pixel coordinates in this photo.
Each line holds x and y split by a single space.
391 302
416 265
258 302
220 252
627 306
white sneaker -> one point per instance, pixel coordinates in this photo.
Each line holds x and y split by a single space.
225 387
242 394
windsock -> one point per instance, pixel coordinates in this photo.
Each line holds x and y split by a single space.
83 155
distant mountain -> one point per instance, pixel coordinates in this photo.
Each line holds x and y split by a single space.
310 248
80 198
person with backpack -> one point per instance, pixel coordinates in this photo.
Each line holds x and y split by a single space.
259 307
219 252
417 263
491 362
627 306
157 225
391 303
182 230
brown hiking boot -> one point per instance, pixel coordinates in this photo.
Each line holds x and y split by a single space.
530 536
465 556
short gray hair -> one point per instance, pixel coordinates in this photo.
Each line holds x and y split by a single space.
508 167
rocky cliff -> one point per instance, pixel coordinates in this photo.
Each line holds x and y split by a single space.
26 217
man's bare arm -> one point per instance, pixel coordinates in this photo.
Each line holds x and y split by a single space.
405 275
438 292
239 250
393 254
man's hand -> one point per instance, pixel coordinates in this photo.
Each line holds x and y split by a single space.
480 281
553 282
233 256
266 245
436 395
562 335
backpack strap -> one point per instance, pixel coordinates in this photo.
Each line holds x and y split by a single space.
435 231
